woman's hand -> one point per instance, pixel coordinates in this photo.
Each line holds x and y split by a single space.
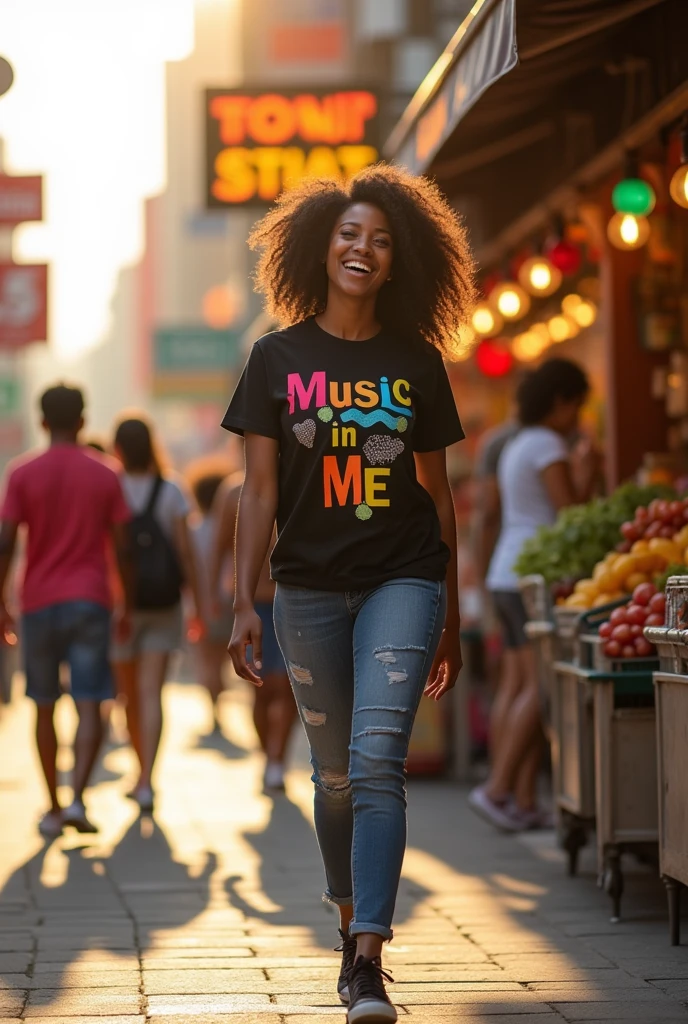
248 631
446 666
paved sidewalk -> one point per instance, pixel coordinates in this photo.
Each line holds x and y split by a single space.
211 913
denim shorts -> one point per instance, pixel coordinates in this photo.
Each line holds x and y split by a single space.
75 633
512 616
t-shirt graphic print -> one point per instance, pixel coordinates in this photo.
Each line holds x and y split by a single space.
348 417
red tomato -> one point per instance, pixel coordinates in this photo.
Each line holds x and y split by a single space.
643 648
653 529
676 508
643 593
630 531
658 604
636 614
642 514
653 509
628 651
655 619
666 531
622 633
618 616
605 630
612 649
677 522
685 514
636 631
661 509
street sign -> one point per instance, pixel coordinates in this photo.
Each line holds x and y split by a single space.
194 361
21 198
23 304
10 396
259 141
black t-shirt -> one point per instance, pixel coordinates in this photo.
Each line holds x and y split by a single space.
348 416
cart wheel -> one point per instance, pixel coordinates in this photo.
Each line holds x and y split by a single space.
613 883
674 894
574 838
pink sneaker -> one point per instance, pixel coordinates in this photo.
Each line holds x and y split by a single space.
497 814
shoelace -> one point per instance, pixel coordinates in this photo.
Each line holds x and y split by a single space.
368 974
348 948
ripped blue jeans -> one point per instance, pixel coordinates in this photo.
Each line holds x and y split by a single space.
358 663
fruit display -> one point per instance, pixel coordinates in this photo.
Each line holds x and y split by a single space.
583 534
653 540
623 633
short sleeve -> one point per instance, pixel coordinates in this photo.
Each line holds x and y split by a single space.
177 498
547 449
437 424
119 510
253 408
12 505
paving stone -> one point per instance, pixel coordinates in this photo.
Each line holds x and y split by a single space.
157 983
69 979
664 1009
82 1002
420 1015
12 1002
659 968
167 1006
223 1018
15 963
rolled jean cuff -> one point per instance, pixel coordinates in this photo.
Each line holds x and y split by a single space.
359 928
339 901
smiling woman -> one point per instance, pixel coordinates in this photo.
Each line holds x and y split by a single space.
346 413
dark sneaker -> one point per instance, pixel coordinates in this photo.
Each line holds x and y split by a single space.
348 951
368 1001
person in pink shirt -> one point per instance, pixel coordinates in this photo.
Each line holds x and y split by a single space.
71 503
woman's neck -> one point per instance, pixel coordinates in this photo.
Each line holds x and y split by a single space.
349 318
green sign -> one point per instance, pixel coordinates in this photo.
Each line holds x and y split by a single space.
195 350
10 396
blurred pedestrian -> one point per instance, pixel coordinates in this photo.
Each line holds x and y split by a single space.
536 480
373 278
71 503
274 710
162 563
211 648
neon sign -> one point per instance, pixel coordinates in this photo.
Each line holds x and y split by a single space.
259 142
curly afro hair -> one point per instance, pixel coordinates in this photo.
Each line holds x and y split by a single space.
432 291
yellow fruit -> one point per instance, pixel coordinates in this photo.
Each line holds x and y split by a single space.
669 551
602 599
635 579
641 547
587 587
606 582
578 601
622 569
681 538
599 570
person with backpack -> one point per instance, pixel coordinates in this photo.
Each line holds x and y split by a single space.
162 565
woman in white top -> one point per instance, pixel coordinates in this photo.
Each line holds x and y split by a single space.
536 479
140 660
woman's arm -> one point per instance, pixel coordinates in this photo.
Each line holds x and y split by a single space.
255 523
431 468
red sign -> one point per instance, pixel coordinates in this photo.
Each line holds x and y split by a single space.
23 304
21 198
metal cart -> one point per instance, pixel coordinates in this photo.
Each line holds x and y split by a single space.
625 772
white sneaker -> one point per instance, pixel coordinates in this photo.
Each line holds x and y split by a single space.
498 816
274 775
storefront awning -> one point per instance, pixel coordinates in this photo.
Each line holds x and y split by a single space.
485 50
529 91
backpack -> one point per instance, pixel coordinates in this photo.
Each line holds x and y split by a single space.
158 576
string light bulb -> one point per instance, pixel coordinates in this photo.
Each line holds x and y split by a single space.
529 346
585 313
626 231
561 328
511 300
486 321
678 189
539 276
